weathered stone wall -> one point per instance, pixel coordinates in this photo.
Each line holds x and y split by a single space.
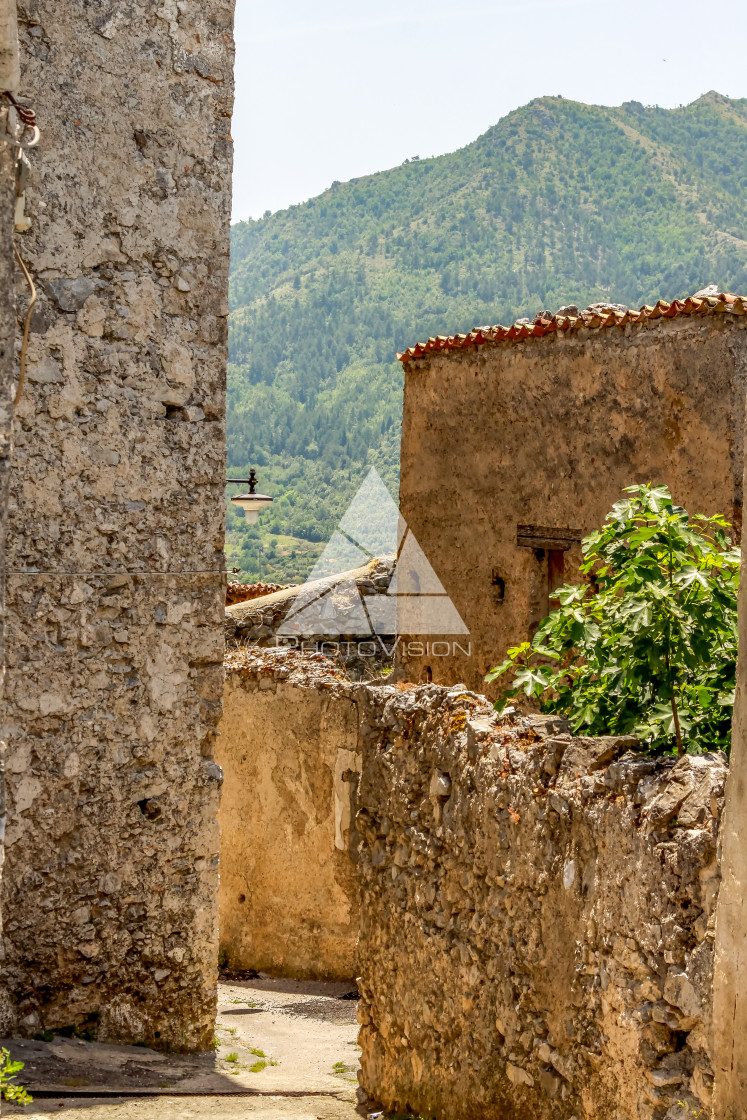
288 748
536 910
537 916
116 588
328 615
9 77
547 432
730 967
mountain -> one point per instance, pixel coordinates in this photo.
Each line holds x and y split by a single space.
557 203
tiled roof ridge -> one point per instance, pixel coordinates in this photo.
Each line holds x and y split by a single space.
594 317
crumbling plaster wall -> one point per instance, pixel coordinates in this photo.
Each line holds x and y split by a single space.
537 916
548 432
288 748
115 546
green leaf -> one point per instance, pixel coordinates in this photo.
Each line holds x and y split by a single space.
690 575
533 681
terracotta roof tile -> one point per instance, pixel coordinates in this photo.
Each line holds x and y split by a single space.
594 318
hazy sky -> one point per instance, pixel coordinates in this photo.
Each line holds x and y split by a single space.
332 89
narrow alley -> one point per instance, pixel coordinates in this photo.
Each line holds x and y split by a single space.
283 1048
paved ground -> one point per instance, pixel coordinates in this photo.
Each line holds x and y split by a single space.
288 1047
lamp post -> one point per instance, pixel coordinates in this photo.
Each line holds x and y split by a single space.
251 503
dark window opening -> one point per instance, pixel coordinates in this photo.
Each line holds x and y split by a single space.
547 574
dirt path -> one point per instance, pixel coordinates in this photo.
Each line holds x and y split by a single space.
288 1047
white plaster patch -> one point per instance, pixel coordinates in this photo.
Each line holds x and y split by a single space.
569 873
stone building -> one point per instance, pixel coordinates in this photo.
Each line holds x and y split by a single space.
517 441
115 539
10 130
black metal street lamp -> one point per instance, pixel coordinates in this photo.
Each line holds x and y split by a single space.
251 503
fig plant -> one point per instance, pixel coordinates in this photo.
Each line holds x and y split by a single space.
647 645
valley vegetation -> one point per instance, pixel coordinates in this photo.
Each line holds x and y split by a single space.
558 203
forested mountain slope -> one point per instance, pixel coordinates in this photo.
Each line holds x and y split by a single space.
557 203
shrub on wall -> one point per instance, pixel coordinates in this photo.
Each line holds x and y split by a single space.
648 646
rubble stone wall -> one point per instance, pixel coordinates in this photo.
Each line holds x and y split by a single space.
115 558
537 916
546 433
288 748
327 615
9 129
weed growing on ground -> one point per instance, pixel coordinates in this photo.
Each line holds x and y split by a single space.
263 1062
232 1057
341 1069
8 1071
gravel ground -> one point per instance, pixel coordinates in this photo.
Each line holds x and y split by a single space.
288 1047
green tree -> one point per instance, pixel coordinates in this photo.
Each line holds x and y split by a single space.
648 646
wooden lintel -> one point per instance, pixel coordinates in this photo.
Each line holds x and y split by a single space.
543 536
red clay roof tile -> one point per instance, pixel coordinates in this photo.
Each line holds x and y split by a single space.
591 318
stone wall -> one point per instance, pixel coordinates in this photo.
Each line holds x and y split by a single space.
332 615
9 130
730 967
536 910
546 432
288 748
537 916
116 588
